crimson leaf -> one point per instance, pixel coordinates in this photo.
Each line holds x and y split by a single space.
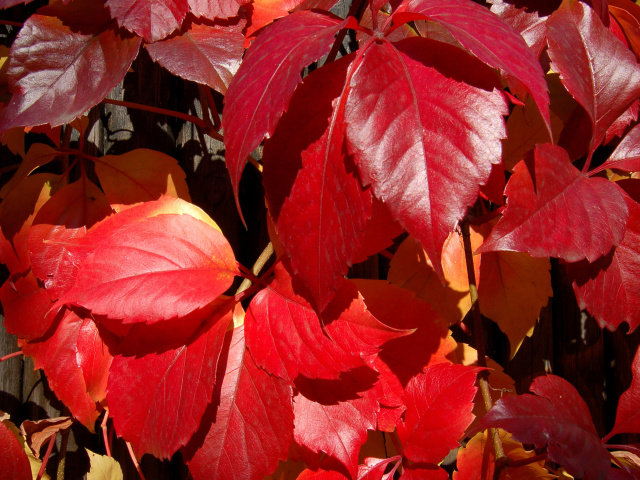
15 463
150 19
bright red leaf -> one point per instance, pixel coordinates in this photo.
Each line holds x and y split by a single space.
67 215
423 151
285 336
596 68
333 416
57 355
311 185
58 71
150 19
439 403
556 416
154 269
157 400
608 288
205 54
555 211
489 38
252 417
270 72
94 359
15 463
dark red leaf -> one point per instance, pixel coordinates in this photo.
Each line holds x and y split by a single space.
553 210
154 269
67 215
556 416
14 460
480 32
621 123
215 9
252 423
312 187
57 356
157 400
423 151
333 416
626 156
11 3
439 404
150 19
25 305
608 288
270 72
56 72
418 473
596 68
202 53
285 337
628 414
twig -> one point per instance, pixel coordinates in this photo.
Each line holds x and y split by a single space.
162 111
257 267
483 377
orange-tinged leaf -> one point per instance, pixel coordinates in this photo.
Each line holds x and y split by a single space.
263 12
140 175
39 154
39 432
513 288
476 461
103 467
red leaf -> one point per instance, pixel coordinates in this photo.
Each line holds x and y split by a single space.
57 72
480 31
57 356
628 414
608 288
15 463
415 142
285 337
157 400
558 417
154 269
555 211
150 19
439 404
252 423
379 231
529 23
67 215
270 72
417 473
217 9
311 186
94 359
25 305
333 416
202 53
596 68
626 156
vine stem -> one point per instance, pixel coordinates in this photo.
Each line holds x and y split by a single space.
135 460
13 24
257 267
52 442
162 111
483 377
11 355
105 427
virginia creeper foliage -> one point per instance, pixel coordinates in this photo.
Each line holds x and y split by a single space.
486 140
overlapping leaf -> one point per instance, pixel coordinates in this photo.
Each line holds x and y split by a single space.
152 20
549 202
217 9
558 417
39 154
597 69
270 72
333 416
479 31
422 156
140 175
252 417
59 70
205 54
310 186
626 156
57 356
157 400
152 269
628 414
439 404
285 337
103 467
15 464
67 215
608 288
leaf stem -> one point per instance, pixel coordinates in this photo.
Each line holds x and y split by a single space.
105 428
135 460
11 355
483 377
162 111
52 442
257 267
628 448
13 24
355 11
